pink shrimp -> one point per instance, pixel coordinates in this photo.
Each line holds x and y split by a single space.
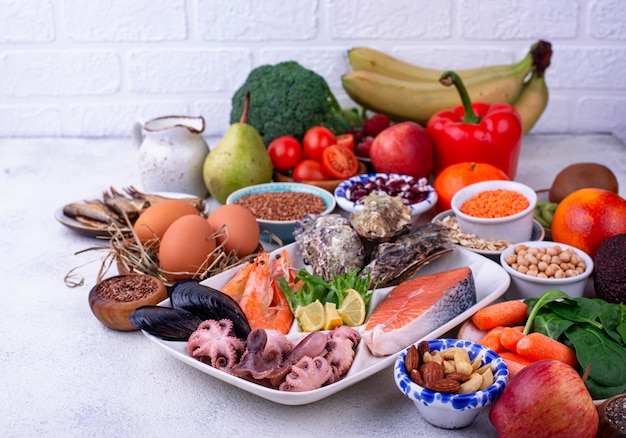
237 283
262 305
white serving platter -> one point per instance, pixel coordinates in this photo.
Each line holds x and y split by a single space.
491 283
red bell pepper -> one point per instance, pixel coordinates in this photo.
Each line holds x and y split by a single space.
476 132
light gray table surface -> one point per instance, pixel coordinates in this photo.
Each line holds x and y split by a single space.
62 373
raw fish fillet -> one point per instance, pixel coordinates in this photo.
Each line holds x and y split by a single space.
416 307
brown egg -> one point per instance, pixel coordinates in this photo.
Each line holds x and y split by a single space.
153 222
243 231
186 246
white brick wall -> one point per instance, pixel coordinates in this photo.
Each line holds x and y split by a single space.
90 68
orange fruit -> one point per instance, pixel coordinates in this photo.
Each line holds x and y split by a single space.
586 217
456 176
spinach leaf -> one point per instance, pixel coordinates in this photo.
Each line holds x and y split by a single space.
607 356
586 311
599 391
551 325
613 318
547 297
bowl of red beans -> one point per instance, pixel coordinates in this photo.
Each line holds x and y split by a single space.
415 193
496 210
277 206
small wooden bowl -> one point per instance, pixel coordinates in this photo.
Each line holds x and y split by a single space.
608 429
329 185
114 313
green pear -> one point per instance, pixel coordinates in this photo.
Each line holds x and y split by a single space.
239 160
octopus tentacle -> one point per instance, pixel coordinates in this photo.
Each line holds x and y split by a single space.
307 374
214 343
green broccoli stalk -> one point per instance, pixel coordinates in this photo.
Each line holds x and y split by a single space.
288 99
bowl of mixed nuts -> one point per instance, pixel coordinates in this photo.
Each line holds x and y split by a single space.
450 380
537 267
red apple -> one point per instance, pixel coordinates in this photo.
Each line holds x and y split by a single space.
403 148
545 399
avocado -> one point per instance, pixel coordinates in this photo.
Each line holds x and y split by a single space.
609 275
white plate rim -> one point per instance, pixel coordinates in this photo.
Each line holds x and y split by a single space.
487 275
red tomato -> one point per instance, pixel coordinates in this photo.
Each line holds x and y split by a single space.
316 139
285 152
346 140
339 162
309 170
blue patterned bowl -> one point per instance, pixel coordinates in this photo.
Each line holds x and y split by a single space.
341 195
453 411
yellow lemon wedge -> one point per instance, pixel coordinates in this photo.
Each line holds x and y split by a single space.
311 316
331 317
352 310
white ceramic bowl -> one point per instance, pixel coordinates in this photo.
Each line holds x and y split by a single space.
282 229
342 193
527 286
515 228
453 411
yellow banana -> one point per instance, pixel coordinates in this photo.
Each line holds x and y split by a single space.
532 101
367 59
418 101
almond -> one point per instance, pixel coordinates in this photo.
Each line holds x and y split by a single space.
432 371
444 385
416 377
422 348
459 377
412 359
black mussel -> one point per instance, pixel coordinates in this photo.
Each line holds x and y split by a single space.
165 322
209 303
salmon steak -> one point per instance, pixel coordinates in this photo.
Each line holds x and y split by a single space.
416 307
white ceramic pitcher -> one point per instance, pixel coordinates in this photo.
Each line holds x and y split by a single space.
171 154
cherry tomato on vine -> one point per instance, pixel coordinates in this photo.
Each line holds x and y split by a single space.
285 152
346 140
309 170
315 140
339 162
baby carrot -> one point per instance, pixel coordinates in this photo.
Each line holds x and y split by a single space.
537 346
514 362
504 313
510 336
491 339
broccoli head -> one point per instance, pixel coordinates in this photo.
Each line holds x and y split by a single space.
288 99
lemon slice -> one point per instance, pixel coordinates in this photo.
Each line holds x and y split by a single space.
352 310
331 317
311 316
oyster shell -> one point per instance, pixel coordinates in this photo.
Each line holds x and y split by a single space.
329 245
382 217
398 260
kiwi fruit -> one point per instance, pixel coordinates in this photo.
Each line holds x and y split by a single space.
609 275
581 176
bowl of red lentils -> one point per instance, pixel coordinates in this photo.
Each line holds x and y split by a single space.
277 206
537 267
496 210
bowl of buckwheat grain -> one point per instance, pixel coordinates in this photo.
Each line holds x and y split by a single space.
450 381
277 206
537 267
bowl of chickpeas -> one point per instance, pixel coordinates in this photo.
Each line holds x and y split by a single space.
537 267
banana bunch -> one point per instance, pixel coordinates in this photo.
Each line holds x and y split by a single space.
544 213
403 91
